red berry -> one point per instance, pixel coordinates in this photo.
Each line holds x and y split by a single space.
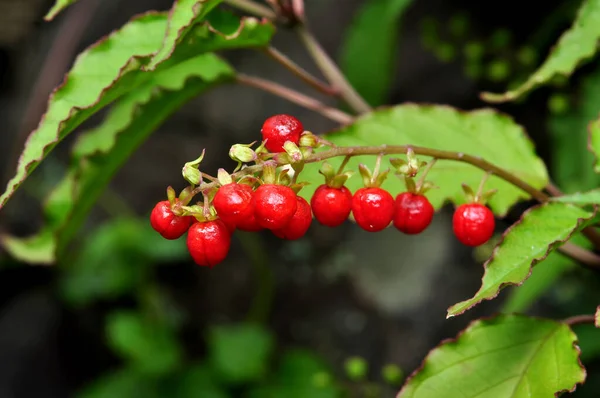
299 224
233 203
331 206
168 224
412 213
373 208
274 205
473 224
208 242
278 129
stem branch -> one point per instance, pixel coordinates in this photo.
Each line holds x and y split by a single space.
579 320
253 8
331 71
300 72
295 97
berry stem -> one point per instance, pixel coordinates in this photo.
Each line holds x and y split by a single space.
253 8
481 185
295 97
377 167
421 181
344 164
331 71
300 72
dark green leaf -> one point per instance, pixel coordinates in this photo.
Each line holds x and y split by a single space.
240 353
580 198
115 259
577 44
539 231
594 142
197 381
120 384
478 133
508 356
183 15
369 52
150 347
99 153
571 162
116 66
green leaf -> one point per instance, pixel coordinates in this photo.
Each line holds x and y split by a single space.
240 353
509 356
58 6
183 15
114 260
99 153
114 67
571 162
198 381
597 317
580 198
150 347
480 133
120 384
540 230
579 43
369 51
594 142
547 273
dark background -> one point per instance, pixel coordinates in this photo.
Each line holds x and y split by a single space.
332 294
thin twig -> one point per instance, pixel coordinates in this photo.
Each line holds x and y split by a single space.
579 320
251 7
300 72
585 257
295 97
331 71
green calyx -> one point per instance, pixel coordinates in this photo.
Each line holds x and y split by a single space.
191 172
334 179
372 180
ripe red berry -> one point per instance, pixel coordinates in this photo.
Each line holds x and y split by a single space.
278 129
473 224
331 206
233 203
412 213
299 224
274 205
208 242
168 224
373 208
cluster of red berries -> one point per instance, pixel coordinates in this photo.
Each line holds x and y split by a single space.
277 207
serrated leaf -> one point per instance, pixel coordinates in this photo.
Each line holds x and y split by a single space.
548 273
183 15
479 133
57 8
571 163
540 230
240 353
112 68
150 347
509 356
580 198
594 142
577 44
207 32
369 55
100 152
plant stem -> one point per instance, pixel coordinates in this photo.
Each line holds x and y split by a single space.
424 174
344 164
295 97
253 8
579 320
331 71
299 71
585 257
